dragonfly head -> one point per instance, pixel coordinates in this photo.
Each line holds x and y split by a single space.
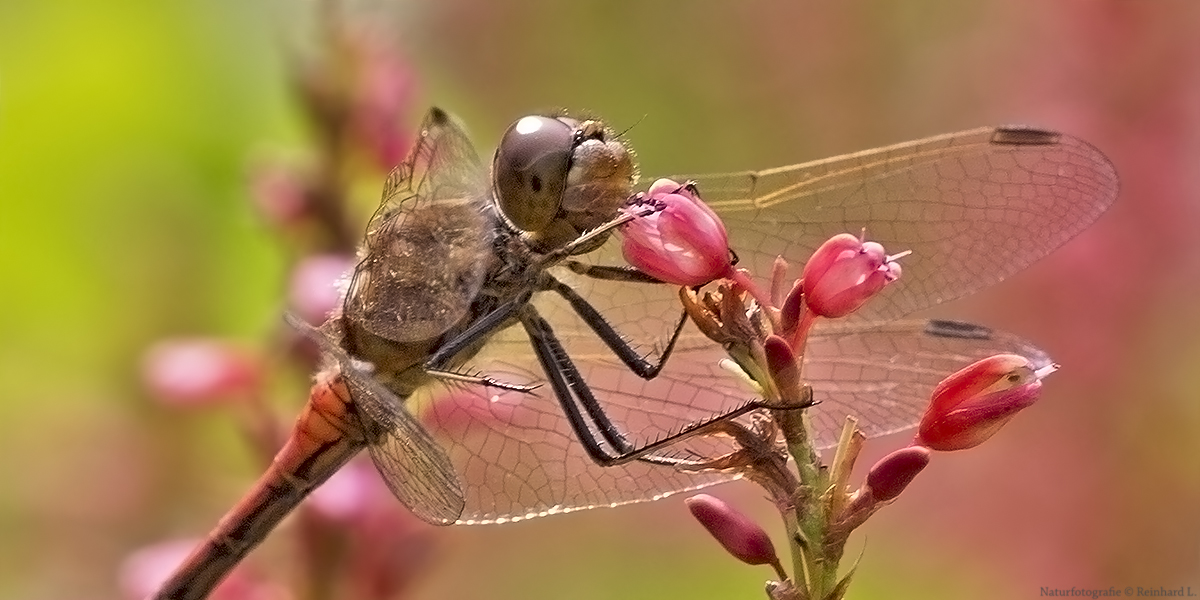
555 178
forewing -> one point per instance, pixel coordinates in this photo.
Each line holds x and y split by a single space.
424 256
416 469
973 207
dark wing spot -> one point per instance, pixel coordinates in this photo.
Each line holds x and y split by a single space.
1024 136
957 329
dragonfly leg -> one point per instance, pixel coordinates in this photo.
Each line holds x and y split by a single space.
573 393
611 338
477 331
612 272
483 380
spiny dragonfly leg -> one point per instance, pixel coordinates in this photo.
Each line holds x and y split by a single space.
612 272
610 336
483 380
573 393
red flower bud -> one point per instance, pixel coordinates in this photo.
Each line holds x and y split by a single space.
791 312
844 273
741 537
895 471
783 366
683 243
971 405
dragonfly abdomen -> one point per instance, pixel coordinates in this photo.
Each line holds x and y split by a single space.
326 436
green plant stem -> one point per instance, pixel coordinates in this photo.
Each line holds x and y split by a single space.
807 541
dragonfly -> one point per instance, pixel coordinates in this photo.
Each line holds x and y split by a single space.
499 360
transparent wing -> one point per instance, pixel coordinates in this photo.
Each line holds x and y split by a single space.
442 167
974 207
423 259
519 458
415 467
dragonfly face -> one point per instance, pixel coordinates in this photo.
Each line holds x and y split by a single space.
557 178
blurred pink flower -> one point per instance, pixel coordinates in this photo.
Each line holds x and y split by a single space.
844 273
383 95
350 493
279 193
199 371
143 571
386 548
315 289
454 414
684 243
971 405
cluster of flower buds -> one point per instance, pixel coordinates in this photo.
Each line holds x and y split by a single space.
684 243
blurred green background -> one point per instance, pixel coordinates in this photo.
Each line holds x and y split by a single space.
126 133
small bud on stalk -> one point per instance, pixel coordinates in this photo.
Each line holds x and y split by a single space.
684 242
740 536
971 405
888 477
784 368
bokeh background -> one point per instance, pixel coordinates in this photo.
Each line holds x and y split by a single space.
129 131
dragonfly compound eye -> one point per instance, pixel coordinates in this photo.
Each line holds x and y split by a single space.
529 171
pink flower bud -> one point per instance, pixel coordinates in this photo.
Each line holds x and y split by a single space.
844 273
971 405
199 371
314 291
683 243
741 537
895 471
791 312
